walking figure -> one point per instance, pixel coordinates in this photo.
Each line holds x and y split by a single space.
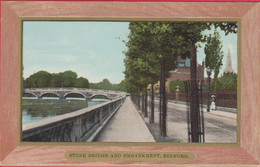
213 103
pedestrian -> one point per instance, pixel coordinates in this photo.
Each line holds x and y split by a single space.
213 103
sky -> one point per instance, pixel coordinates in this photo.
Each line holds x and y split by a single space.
94 50
228 42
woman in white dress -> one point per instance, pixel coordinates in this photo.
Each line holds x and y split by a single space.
213 103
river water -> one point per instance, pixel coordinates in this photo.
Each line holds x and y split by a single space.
37 109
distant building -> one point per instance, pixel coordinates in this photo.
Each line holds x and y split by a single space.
182 72
229 66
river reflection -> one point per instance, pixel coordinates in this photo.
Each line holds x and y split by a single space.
37 109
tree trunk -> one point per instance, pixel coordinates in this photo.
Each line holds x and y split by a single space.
152 105
164 105
160 103
145 104
194 100
138 101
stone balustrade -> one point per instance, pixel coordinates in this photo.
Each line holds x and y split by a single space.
78 126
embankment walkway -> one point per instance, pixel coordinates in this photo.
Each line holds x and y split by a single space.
126 126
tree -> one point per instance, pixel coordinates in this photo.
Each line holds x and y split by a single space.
156 45
230 27
105 84
82 83
227 82
56 80
69 78
134 81
164 43
214 53
62 79
27 83
120 86
38 80
191 31
178 42
139 58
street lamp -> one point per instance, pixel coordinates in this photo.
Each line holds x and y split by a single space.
209 73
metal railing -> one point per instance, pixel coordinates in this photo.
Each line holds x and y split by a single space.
200 131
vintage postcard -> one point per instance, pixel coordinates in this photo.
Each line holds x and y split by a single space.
129 83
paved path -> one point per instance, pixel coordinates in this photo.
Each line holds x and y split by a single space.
126 126
219 126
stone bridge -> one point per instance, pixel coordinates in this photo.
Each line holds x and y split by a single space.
62 93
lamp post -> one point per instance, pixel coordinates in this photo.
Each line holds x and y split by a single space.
209 73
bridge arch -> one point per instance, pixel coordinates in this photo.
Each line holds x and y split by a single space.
79 93
57 95
102 95
31 93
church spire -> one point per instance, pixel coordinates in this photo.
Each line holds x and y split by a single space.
229 67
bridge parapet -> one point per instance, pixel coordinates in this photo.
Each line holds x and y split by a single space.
63 92
77 126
